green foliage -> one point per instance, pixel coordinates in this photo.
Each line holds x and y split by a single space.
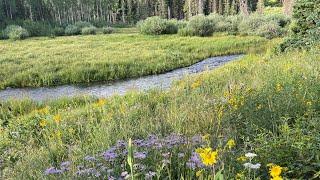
270 30
281 19
172 26
305 30
72 30
229 24
15 32
37 28
156 25
250 24
107 30
201 25
58 31
89 30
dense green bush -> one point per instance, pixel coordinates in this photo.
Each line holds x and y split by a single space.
58 31
270 30
153 26
201 25
172 26
157 25
107 30
281 19
89 30
229 24
72 30
250 24
15 32
37 28
305 29
2 36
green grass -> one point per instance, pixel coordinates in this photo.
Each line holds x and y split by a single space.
82 59
269 104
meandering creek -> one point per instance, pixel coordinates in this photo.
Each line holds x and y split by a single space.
162 81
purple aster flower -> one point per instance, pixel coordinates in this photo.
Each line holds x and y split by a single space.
194 161
150 175
140 155
125 175
65 166
111 178
110 155
88 172
53 170
197 139
89 158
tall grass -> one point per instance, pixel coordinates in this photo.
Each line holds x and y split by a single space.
64 60
268 104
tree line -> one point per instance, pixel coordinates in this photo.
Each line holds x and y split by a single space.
121 11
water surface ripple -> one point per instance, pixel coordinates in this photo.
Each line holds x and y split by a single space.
162 81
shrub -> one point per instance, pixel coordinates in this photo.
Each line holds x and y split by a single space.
305 30
249 25
270 30
82 24
15 32
107 30
89 30
37 28
171 26
58 31
2 36
281 19
201 25
153 26
72 30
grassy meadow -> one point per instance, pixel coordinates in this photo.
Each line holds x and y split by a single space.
264 103
42 61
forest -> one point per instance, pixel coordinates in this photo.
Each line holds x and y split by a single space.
125 11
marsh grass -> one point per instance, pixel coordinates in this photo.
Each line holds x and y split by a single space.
83 59
254 100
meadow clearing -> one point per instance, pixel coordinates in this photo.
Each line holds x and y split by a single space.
83 59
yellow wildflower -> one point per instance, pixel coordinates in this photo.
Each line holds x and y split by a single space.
277 178
206 137
196 84
231 143
309 103
275 171
208 156
58 134
101 102
239 176
279 87
199 173
44 110
43 123
242 158
259 106
57 118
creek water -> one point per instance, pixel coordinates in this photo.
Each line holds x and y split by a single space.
162 81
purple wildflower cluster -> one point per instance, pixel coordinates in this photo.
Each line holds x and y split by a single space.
149 154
